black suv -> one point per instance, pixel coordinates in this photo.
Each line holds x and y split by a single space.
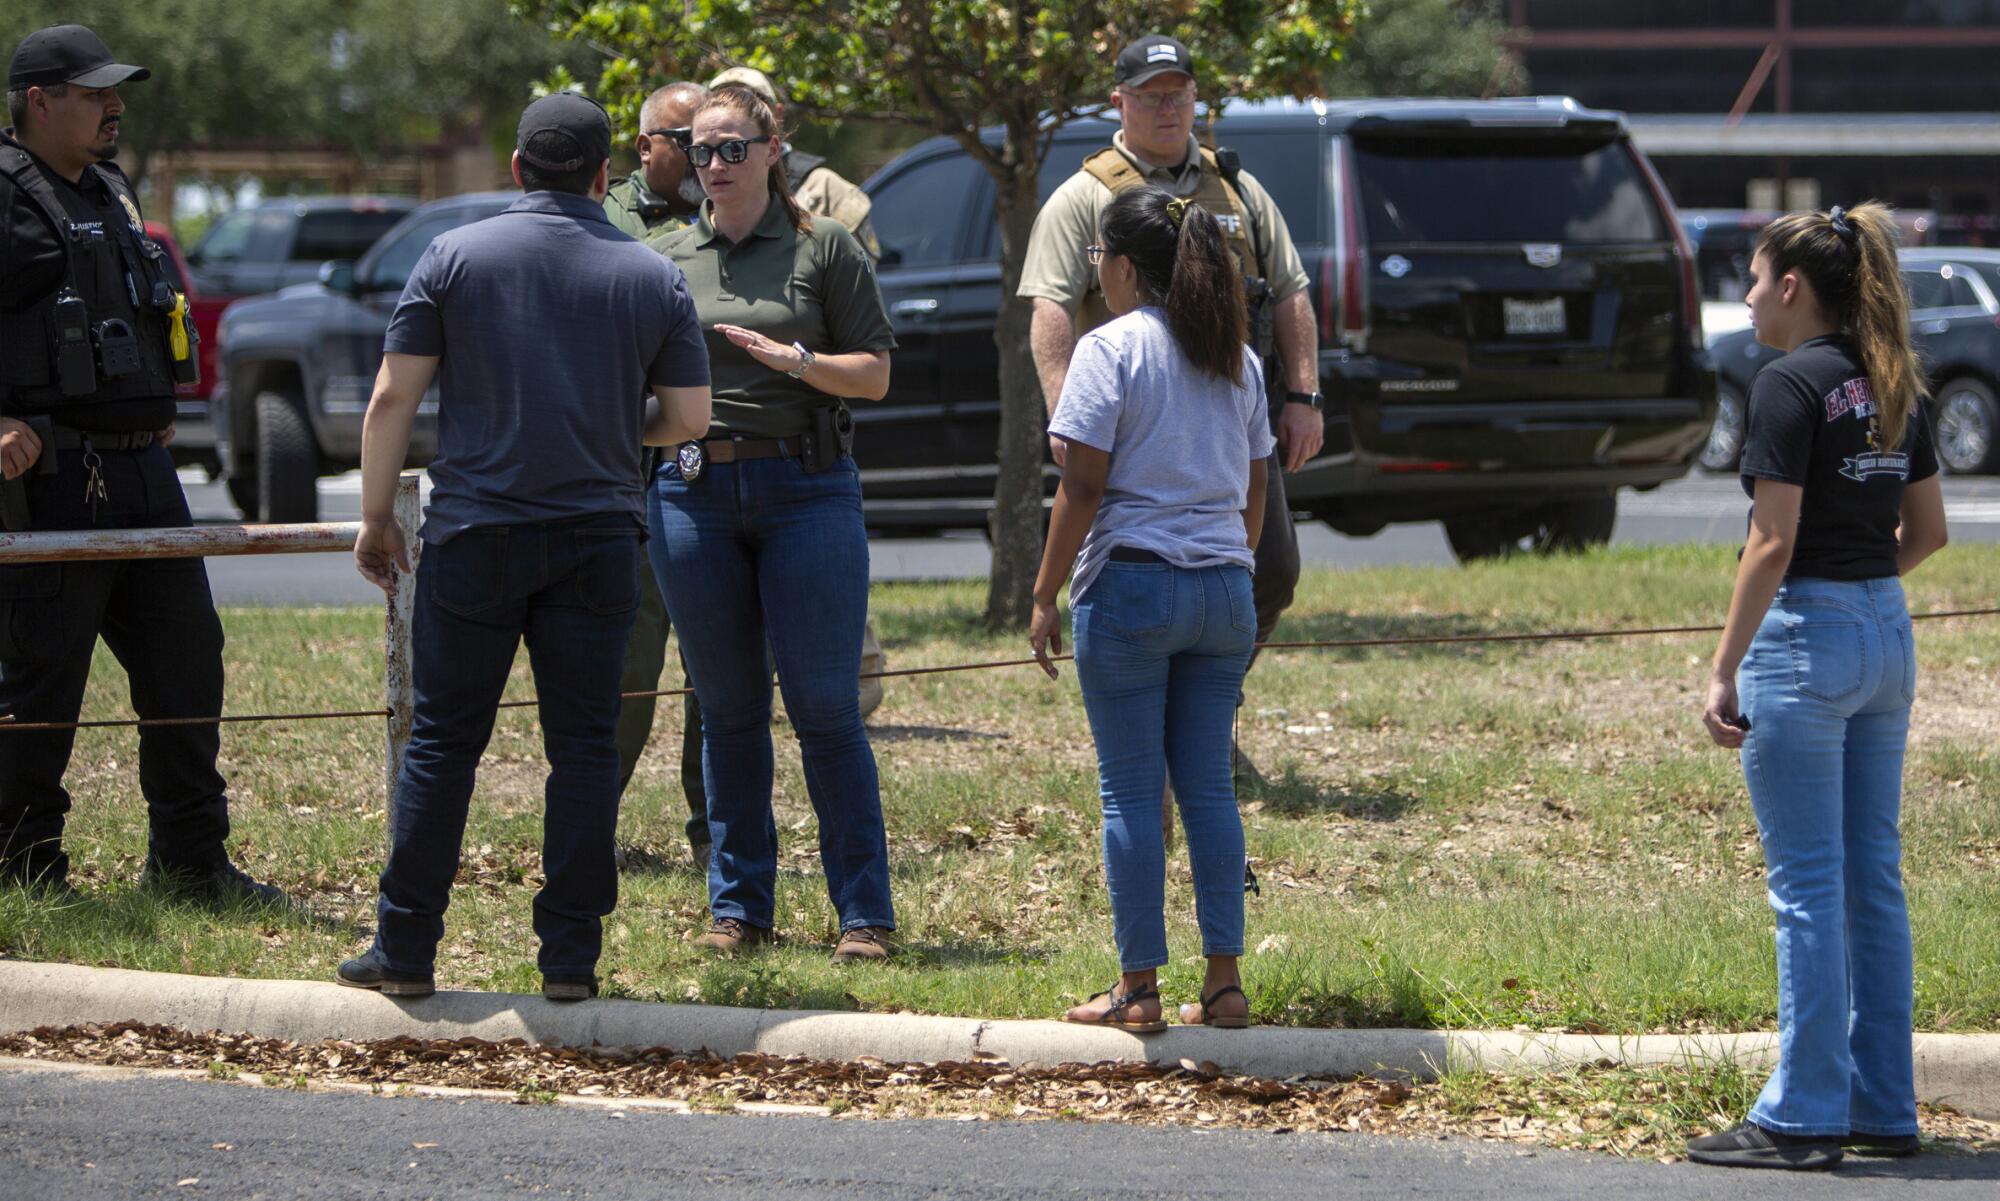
1955 323
298 367
1507 313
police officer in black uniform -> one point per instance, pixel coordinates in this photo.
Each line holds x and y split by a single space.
93 338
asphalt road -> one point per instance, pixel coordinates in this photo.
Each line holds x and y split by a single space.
1704 509
79 1137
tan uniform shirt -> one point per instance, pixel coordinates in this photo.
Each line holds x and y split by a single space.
1058 269
826 193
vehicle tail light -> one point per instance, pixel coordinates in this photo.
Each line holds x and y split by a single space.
1683 249
1343 307
1421 466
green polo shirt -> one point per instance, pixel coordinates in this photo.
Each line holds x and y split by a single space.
817 288
636 209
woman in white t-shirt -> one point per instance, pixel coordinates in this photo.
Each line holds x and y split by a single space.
1164 416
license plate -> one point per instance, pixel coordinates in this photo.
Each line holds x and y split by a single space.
1530 317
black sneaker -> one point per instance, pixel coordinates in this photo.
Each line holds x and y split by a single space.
368 971
44 882
223 885
1752 1146
1882 1146
569 990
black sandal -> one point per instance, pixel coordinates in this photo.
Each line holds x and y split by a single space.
1224 1023
1119 1003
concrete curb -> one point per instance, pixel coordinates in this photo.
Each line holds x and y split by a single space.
1961 1070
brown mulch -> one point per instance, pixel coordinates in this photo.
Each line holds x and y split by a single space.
1568 1111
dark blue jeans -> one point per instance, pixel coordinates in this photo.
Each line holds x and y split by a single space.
760 550
157 617
569 588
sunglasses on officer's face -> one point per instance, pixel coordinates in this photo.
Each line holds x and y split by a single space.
735 150
679 136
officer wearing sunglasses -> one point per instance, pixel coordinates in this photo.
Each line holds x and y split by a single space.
662 194
757 529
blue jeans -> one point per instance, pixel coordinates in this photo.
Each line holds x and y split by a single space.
569 588
1160 655
1827 686
762 552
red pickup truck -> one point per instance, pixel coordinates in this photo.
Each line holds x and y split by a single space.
194 441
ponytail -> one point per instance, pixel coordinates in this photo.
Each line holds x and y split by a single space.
1184 266
737 98
1849 258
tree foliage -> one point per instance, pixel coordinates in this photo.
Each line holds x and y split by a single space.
958 68
1430 48
370 75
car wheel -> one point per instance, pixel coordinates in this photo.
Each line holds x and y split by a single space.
1725 437
1563 525
243 492
1966 416
287 461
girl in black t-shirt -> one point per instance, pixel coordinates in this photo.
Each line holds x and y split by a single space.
1839 465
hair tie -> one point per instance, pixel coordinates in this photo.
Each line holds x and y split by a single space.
1177 211
1847 232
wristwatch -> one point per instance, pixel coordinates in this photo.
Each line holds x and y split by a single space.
806 359
1313 399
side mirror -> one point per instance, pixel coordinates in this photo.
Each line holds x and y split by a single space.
890 257
338 276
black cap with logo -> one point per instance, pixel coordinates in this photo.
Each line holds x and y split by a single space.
583 124
67 54
1149 56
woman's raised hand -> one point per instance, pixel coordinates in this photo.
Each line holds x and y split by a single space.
775 355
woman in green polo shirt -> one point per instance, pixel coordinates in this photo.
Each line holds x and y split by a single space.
757 529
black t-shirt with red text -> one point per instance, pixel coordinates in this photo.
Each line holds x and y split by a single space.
1814 422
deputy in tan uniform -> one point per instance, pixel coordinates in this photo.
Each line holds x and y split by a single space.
663 193
1154 91
824 192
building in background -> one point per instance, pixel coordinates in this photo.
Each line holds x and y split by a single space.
1789 104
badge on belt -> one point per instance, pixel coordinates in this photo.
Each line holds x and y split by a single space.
691 460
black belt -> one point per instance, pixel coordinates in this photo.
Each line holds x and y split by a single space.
1133 554
69 439
734 450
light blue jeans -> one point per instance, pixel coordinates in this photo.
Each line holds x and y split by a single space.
1827 686
1160 655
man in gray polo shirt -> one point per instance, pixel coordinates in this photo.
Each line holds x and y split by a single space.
545 328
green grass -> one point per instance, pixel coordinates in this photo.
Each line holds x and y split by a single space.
1534 835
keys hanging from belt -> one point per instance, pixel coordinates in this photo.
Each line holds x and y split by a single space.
94 492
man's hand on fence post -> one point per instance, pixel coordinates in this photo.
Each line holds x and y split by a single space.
381 554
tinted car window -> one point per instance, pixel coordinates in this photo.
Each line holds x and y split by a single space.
254 236
1928 289
391 269
1486 190
917 215
340 233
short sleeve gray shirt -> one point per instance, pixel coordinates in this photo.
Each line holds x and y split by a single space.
1181 443
549 324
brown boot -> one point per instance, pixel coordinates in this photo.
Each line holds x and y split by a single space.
863 944
729 935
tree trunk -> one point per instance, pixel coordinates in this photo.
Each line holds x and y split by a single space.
1016 521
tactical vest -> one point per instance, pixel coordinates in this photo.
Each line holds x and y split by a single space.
798 165
120 276
1112 169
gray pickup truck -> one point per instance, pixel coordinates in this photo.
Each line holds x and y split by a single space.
297 367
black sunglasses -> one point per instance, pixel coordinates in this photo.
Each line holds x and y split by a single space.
735 150
679 136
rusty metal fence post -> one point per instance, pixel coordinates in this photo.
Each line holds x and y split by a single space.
398 690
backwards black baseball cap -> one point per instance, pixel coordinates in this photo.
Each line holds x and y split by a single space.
1154 54
584 125
67 54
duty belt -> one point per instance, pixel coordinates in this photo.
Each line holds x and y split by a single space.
69 439
735 450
